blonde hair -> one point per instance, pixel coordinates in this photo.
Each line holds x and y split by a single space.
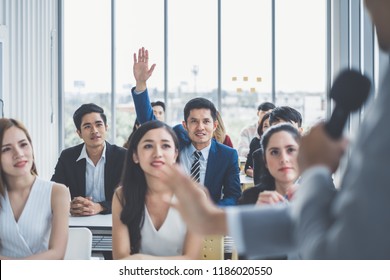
220 132
6 124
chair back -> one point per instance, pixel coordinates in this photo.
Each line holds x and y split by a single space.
79 244
213 248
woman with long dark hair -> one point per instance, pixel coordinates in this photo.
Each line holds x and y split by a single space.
280 145
144 224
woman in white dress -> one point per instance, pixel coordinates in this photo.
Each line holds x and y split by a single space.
33 212
144 226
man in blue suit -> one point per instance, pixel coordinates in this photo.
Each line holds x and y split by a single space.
219 169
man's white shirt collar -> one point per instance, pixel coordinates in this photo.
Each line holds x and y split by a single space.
84 154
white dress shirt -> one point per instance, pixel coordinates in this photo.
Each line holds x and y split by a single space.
94 176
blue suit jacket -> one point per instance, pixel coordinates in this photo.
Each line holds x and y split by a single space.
222 172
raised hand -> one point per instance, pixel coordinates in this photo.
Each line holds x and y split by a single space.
141 69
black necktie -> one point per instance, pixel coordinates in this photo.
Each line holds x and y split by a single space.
195 167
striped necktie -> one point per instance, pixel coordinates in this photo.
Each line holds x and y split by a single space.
195 167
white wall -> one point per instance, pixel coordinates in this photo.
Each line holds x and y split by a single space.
28 29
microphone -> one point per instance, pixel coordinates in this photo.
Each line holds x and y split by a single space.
350 90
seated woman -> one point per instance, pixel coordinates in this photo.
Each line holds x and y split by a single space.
144 226
34 213
220 133
280 144
255 144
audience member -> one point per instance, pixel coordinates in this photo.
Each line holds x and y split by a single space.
144 226
280 143
159 113
92 169
255 144
220 133
34 212
328 223
159 110
249 132
212 164
285 114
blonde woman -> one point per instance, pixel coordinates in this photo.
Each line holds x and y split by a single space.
220 133
33 212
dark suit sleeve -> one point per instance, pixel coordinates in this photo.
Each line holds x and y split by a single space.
115 157
231 181
254 145
142 105
250 196
59 172
107 207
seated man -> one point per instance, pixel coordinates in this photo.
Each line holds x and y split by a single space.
159 110
159 113
285 114
249 132
215 165
92 170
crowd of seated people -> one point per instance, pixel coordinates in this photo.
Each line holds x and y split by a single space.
321 222
103 178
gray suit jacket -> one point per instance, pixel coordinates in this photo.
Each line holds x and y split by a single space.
322 223
352 223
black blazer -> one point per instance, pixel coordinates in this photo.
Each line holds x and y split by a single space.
249 196
71 173
253 146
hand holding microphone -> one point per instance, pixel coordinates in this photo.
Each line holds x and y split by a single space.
323 145
350 90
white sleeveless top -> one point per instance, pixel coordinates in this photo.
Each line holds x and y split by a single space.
168 240
30 234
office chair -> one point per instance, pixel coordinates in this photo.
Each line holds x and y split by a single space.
79 244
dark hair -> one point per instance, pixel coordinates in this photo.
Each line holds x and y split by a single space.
135 127
134 185
260 127
87 109
266 176
265 106
158 103
6 124
285 113
199 103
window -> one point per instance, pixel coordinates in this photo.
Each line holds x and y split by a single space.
300 54
87 59
246 62
135 29
192 32
192 53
